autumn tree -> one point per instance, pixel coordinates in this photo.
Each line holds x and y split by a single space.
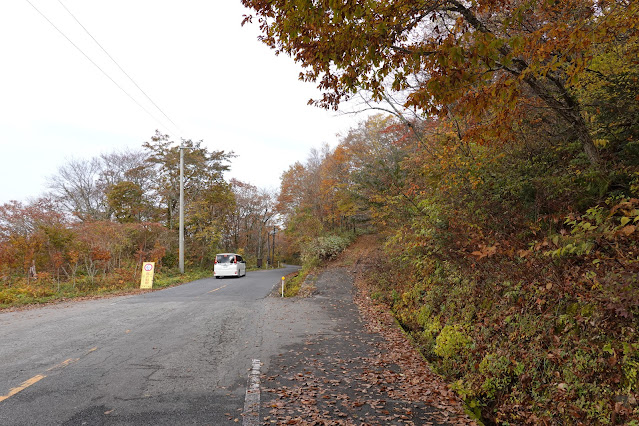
76 188
26 230
127 180
207 217
242 221
252 206
126 165
126 201
608 91
321 195
301 184
202 169
481 58
82 186
300 201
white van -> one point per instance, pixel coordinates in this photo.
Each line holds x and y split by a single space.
229 265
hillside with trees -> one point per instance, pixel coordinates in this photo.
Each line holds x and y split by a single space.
502 177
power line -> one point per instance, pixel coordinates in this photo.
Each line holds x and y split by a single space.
98 67
118 65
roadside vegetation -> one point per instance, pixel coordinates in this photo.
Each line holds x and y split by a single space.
502 179
47 290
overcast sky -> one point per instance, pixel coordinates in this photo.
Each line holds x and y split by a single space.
209 75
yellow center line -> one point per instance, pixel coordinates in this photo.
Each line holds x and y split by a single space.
22 387
219 288
39 377
64 364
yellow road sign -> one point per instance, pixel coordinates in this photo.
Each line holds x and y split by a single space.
148 268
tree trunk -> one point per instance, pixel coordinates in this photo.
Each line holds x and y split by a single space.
587 143
557 98
569 109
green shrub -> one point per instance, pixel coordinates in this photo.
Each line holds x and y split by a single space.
452 342
325 248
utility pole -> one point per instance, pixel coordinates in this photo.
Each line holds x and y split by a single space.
273 245
181 249
269 259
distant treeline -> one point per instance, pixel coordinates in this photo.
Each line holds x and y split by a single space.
106 215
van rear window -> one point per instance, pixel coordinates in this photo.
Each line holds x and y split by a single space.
224 258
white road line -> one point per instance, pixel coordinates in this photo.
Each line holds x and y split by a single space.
251 412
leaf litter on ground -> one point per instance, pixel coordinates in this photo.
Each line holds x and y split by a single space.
368 373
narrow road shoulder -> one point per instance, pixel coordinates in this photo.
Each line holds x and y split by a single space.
363 370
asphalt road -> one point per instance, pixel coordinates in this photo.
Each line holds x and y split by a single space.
173 357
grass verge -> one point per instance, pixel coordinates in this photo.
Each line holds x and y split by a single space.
45 290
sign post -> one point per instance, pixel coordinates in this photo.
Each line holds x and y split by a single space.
148 268
283 279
